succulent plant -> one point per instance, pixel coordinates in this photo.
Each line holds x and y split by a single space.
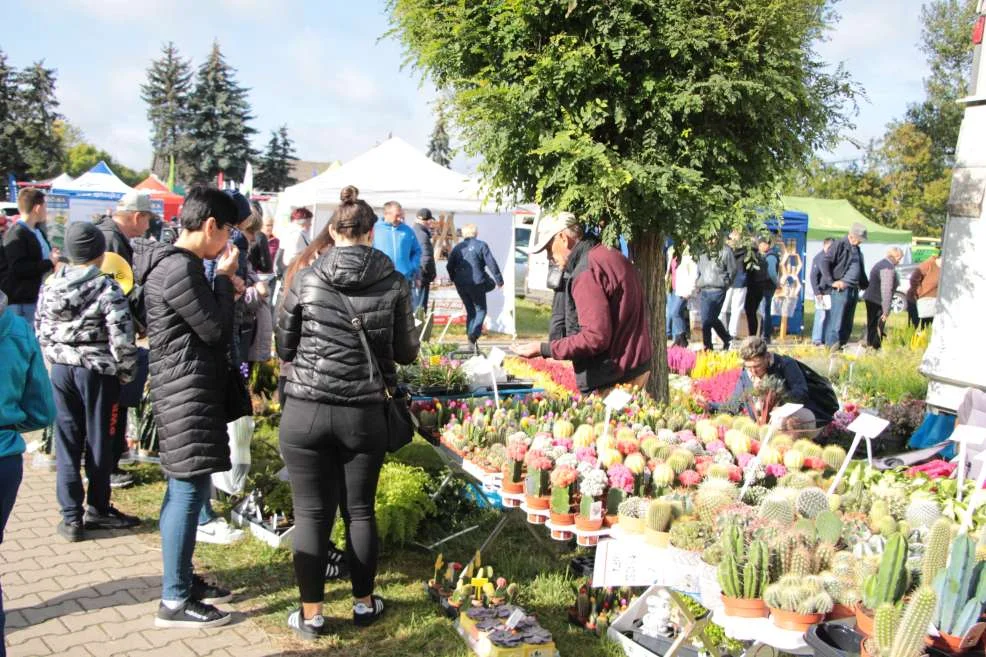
833 455
754 495
922 512
688 535
803 595
890 582
634 507
811 502
770 455
663 476
961 589
777 509
808 448
935 551
680 460
794 459
660 514
902 635
716 485
828 526
708 505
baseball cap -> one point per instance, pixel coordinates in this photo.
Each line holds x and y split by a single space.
859 230
550 226
135 201
425 213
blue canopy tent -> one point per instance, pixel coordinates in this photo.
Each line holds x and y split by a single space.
793 227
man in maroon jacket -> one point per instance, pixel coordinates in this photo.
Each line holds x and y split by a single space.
606 333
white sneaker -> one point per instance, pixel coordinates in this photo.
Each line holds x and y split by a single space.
218 532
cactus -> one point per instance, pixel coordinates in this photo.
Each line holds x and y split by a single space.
561 500
729 577
922 512
811 502
890 582
718 471
903 635
585 506
777 510
680 460
633 507
756 572
659 515
563 429
769 455
935 551
833 455
754 495
688 536
886 526
961 589
885 621
583 604
614 497
801 562
808 448
794 460
709 505
828 525
824 554
663 476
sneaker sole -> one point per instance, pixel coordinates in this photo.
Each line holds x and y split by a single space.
164 623
209 538
125 485
217 601
108 528
72 539
306 636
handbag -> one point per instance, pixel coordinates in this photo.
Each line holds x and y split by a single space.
236 403
401 423
926 307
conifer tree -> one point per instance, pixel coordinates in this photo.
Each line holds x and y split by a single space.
37 111
10 129
439 149
166 92
275 165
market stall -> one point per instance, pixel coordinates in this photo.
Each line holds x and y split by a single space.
168 203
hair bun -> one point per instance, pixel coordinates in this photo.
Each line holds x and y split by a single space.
349 194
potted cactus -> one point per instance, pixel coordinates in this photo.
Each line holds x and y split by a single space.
537 485
888 585
562 478
961 591
796 603
591 488
632 511
897 635
744 575
660 515
513 471
621 483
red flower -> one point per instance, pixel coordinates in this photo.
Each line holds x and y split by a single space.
690 478
814 463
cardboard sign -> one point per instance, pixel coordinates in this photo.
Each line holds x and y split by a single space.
868 425
516 617
617 399
631 561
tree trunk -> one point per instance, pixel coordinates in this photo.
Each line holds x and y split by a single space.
650 259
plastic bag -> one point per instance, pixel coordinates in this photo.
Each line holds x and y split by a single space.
240 433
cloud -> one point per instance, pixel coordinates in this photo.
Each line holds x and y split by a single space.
123 11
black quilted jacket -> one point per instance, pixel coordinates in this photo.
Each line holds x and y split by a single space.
314 331
189 325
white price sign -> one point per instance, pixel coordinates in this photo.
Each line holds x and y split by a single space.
617 399
496 356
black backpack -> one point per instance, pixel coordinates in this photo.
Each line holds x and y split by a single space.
821 392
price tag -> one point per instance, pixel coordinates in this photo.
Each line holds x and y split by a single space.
966 435
868 425
515 618
617 399
496 356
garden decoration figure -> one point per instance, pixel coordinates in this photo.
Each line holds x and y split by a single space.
789 289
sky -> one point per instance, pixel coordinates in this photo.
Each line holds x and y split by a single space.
324 69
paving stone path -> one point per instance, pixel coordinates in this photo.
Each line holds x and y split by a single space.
95 598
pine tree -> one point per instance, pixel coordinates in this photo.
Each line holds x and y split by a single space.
10 129
439 149
275 166
166 92
219 128
37 111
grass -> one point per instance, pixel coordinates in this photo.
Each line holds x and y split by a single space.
263 580
533 319
895 321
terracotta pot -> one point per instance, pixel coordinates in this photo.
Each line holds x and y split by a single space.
790 620
863 650
609 521
513 487
539 503
839 612
584 524
950 643
536 519
660 539
632 525
562 519
745 608
864 620
587 541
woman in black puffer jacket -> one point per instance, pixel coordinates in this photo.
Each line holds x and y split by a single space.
333 429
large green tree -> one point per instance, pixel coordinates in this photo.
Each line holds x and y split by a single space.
439 148
84 156
36 113
11 137
275 165
219 130
655 119
166 92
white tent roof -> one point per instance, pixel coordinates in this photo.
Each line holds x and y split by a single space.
97 182
61 181
392 171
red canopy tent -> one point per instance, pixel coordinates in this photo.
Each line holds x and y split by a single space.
160 191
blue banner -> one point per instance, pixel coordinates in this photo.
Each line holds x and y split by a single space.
11 188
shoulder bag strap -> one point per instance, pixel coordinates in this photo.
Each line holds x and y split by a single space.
357 322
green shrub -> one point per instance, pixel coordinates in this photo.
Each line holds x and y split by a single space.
890 374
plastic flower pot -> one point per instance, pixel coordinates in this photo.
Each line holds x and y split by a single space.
609 521
562 519
957 644
513 487
745 607
660 539
632 525
536 519
584 524
839 612
791 620
587 541
864 620
539 503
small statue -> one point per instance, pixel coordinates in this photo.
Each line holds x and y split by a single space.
657 621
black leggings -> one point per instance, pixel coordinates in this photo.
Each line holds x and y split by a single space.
334 455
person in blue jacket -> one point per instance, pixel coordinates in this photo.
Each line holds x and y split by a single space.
467 265
26 404
772 260
395 238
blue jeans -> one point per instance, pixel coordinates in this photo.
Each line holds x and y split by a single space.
474 299
180 511
419 295
26 311
818 327
677 316
206 514
11 471
840 316
711 305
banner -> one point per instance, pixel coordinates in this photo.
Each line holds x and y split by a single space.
498 232
58 212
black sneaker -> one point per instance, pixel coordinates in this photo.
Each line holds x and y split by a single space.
112 519
337 567
121 479
307 630
71 531
191 614
365 615
208 594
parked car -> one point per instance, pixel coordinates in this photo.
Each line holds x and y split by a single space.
899 302
522 240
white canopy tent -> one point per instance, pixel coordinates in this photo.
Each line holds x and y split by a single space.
396 171
61 181
92 194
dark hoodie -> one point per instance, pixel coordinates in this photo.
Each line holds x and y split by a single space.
315 334
189 325
116 241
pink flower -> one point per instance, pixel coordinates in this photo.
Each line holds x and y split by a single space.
516 450
501 582
851 408
744 460
685 435
690 478
702 467
563 477
754 447
620 477
586 455
776 470
628 446
563 442
814 463
735 473
716 446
